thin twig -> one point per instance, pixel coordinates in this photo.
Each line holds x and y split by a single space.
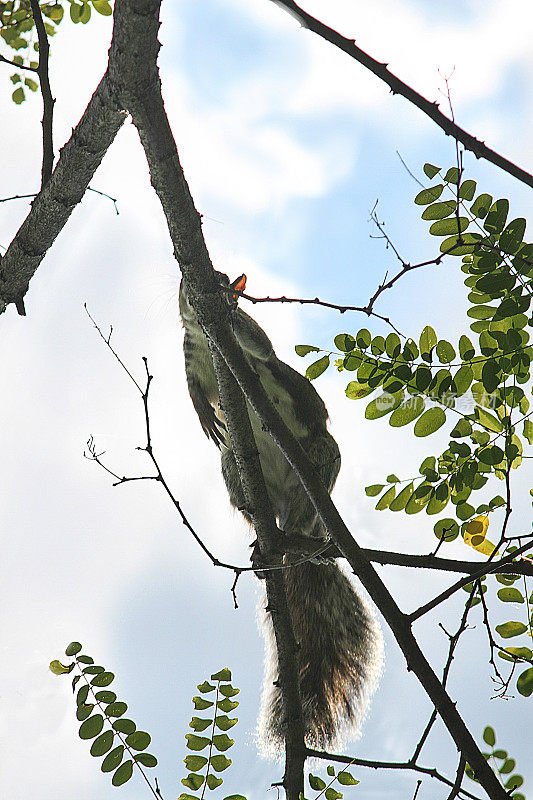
485 569
48 100
397 86
395 765
18 66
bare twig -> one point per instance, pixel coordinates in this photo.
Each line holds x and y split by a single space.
48 100
397 86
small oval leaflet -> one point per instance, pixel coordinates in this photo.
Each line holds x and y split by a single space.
102 743
430 421
123 773
124 726
140 740
146 759
509 629
91 727
102 679
113 759
524 683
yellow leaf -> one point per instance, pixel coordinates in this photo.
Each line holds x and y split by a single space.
474 535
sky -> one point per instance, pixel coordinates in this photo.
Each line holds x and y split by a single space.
287 145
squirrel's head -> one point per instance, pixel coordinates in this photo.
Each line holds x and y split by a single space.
239 284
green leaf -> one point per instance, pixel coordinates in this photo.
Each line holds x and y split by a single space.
428 340
140 740
508 765
447 529
200 704
195 742
146 759
102 743
200 725
84 711
467 190
102 679
401 500
113 759
514 782
81 697
491 455
488 421
344 342
408 411
316 783
346 779
304 349
495 219
446 227
220 762
466 348
509 629
386 499
123 773
228 691
363 338
480 206
124 725
453 247
60 669
225 723
430 421
332 794
524 684
73 648
227 705
18 95
103 7
116 709
374 489
383 404
222 741
510 595
317 368
429 195
93 669
213 782
91 727
463 379
105 696
452 176
528 430
489 737
439 210
356 390
430 170
195 763
445 352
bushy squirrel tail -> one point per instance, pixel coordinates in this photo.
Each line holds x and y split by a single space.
340 657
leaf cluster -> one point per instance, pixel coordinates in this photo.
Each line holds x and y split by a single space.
202 768
102 718
327 790
17 30
503 763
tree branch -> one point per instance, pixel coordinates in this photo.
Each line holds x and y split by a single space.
260 509
397 86
48 100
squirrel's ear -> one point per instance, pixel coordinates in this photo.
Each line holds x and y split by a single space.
239 284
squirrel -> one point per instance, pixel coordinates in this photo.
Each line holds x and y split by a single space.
340 644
